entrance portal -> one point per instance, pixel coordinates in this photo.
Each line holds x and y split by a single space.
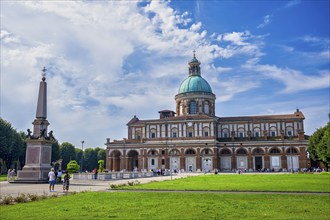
133 160
258 163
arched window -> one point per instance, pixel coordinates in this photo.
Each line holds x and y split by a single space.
152 152
241 151
174 152
292 150
258 151
153 133
174 132
138 135
240 132
225 133
206 107
225 152
274 151
206 131
190 151
289 131
190 132
206 152
272 132
256 132
192 107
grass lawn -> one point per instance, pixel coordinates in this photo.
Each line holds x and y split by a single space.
251 182
191 205
3 177
168 205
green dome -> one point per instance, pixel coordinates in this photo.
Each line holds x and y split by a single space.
195 83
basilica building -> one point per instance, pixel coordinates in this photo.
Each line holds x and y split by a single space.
193 139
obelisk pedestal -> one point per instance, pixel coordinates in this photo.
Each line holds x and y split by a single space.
39 144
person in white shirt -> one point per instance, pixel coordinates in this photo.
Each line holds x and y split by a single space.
51 179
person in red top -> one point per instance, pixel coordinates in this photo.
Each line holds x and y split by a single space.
95 173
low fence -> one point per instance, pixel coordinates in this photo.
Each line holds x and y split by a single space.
114 175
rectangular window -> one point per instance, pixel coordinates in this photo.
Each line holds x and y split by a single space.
174 134
163 152
257 134
152 161
225 135
241 134
153 135
190 134
206 134
163 161
273 133
289 133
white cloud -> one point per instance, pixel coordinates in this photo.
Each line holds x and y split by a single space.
6 37
110 60
237 38
294 80
227 90
292 3
88 48
266 21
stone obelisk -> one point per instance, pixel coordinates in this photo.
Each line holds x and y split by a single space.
38 144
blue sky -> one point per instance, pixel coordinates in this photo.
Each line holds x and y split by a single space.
110 60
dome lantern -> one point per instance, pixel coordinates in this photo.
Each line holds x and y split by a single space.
194 67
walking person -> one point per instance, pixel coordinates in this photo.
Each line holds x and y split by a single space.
51 179
12 174
59 175
95 173
9 175
66 182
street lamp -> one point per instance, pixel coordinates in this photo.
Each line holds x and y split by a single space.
171 152
82 155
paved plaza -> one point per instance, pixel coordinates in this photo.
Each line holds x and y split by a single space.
15 189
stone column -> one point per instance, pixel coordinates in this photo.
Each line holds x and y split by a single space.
233 160
284 163
215 158
182 160
250 159
198 160
303 163
109 163
267 164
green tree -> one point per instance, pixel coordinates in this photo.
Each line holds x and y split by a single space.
67 153
319 145
90 159
101 154
79 158
72 167
55 151
12 146
101 166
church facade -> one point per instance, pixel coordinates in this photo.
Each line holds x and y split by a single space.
194 139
